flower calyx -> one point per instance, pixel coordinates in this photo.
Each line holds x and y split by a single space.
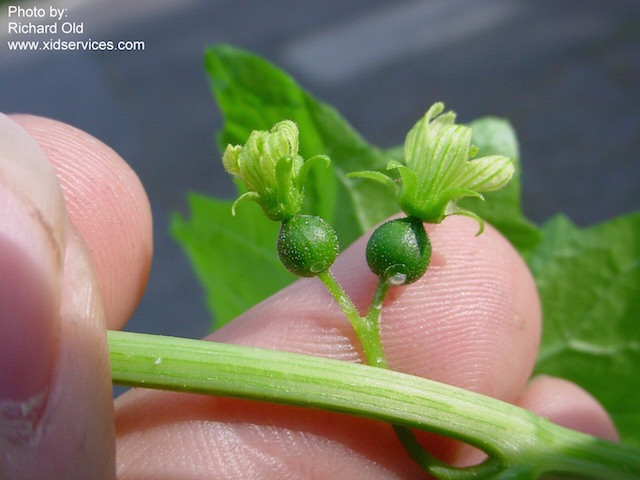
271 169
439 169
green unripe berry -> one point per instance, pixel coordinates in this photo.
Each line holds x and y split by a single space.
307 245
399 251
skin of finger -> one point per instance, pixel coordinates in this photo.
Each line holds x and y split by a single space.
69 431
567 404
32 238
75 433
473 320
108 205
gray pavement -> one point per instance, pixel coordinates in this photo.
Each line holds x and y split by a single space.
566 73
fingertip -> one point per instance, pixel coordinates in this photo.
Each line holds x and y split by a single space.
473 320
568 405
108 205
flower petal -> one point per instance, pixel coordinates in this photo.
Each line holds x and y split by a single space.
487 174
449 158
281 140
230 159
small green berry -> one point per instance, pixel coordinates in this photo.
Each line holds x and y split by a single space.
399 251
307 245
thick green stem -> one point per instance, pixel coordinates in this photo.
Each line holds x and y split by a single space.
521 441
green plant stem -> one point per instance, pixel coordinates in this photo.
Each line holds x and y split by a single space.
407 438
524 445
367 332
373 322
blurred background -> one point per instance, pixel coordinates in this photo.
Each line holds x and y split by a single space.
565 73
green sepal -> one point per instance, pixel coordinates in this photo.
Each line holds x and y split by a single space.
452 207
408 194
246 197
476 217
376 176
306 168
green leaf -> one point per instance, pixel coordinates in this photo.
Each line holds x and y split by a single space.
495 136
235 258
589 281
253 94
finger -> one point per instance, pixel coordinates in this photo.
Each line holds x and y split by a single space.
56 418
108 205
473 320
569 405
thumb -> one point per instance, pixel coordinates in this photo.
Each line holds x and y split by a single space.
55 399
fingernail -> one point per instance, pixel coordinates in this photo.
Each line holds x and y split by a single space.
32 220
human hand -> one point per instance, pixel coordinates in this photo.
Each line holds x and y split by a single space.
67 272
472 321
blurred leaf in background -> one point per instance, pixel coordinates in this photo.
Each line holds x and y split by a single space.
589 282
